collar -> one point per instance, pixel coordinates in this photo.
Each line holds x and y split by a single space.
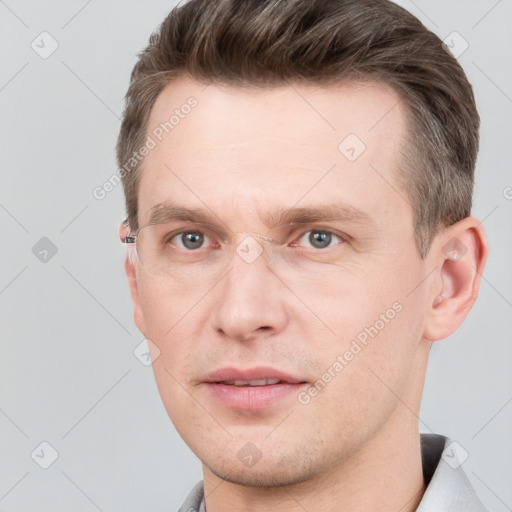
448 487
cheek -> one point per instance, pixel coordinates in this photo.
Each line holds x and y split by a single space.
365 375
166 306
375 321
174 320
350 299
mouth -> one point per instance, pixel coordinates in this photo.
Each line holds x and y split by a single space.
253 383
251 389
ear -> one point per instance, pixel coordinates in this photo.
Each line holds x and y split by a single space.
459 254
130 267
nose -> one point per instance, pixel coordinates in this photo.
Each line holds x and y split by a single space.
251 299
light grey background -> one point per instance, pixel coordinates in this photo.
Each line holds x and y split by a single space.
68 375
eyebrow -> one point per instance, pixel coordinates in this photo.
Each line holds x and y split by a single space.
169 211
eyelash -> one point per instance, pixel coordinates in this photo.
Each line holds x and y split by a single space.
342 238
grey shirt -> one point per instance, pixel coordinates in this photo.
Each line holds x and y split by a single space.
448 488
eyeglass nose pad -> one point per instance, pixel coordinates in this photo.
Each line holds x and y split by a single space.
262 237
252 246
254 235
257 237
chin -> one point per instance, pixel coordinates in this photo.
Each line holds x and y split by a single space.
264 477
278 471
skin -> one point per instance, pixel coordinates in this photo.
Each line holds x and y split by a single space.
244 153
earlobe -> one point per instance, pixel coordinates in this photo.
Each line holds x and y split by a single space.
460 253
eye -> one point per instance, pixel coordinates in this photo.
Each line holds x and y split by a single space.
189 240
319 239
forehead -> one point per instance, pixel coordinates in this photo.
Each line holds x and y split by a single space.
245 149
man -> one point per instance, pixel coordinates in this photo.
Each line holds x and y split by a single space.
298 179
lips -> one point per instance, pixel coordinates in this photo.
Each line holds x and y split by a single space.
251 389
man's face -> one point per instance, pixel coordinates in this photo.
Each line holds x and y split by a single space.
337 300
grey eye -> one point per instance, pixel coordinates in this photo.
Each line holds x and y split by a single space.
190 240
319 239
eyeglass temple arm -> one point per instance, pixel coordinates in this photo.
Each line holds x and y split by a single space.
129 238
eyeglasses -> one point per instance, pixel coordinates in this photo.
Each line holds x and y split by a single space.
187 249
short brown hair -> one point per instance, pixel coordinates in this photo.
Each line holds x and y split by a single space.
265 43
